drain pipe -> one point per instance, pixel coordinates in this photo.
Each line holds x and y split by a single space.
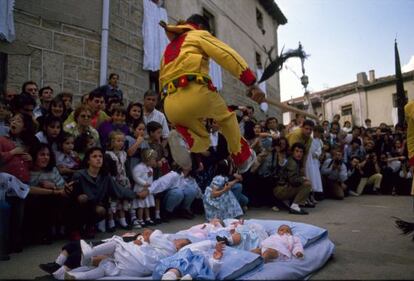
104 42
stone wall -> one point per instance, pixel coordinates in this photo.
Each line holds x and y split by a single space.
58 49
58 44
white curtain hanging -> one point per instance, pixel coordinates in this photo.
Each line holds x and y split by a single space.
216 75
153 34
263 106
7 31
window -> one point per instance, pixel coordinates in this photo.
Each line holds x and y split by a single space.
259 20
346 110
394 99
3 73
153 81
259 61
211 21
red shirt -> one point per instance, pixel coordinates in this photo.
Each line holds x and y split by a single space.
13 164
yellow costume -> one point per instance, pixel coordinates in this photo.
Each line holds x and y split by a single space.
189 93
409 117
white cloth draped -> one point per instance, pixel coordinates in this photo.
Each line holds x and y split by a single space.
153 34
7 31
216 75
263 106
312 170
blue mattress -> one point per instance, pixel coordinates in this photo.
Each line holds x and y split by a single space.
317 246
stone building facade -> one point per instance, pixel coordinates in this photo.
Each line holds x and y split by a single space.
58 42
367 97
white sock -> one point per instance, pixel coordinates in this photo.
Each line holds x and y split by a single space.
169 275
101 226
122 222
157 214
111 223
60 260
133 215
295 207
60 273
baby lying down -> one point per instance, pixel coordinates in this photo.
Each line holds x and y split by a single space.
281 246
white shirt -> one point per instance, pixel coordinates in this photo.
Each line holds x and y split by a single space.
159 117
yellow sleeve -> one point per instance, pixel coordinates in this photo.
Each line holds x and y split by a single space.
227 57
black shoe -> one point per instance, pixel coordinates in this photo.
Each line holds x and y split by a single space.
111 229
223 239
300 212
157 221
319 196
186 214
4 257
307 205
49 267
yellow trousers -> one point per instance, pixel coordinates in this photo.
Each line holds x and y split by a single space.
188 106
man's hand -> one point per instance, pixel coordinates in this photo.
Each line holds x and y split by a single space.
256 94
142 194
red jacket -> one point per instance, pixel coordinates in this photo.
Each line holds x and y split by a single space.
13 164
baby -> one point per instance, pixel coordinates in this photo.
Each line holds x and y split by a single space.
281 245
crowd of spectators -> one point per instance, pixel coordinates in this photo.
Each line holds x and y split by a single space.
105 164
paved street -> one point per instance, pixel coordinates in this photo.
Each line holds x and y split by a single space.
368 246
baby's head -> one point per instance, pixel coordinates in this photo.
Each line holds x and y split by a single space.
179 243
284 229
146 233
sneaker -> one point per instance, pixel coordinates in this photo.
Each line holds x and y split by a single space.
275 209
136 224
248 163
149 222
49 267
86 255
180 151
353 193
298 212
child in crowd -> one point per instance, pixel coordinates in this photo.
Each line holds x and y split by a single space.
117 122
135 145
282 245
219 201
118 156
134 115
143 176
67 160
154 130
51 132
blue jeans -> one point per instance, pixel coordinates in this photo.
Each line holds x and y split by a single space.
179 197
237 191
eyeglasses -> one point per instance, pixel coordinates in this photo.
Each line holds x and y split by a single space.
85 116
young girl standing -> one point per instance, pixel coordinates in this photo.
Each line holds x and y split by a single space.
143 177
119 156
67 160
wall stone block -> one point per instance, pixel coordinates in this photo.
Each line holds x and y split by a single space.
52 66
68 44
34 35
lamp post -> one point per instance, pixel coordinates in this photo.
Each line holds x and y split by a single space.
305 81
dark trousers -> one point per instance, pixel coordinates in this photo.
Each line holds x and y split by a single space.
16 223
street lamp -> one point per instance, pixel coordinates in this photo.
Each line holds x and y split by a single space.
305 81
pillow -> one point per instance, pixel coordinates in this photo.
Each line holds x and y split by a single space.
307 233
237 262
